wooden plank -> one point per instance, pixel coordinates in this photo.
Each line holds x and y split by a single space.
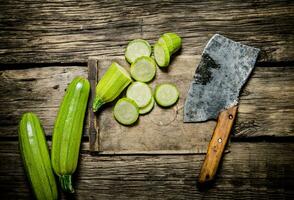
38 90
67 31
92 120
266 105
162 130
249 171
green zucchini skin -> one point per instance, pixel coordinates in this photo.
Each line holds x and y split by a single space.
35 156
68 130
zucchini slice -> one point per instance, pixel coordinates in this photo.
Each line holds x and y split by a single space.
126 111
139 92
137 48
161 54
143 69
166 94
147 108
174 41
166 41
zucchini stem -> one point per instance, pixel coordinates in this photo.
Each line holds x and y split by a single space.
97 104
66 184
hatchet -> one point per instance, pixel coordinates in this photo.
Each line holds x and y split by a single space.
224 68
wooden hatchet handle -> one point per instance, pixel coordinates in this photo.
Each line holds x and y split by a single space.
217 144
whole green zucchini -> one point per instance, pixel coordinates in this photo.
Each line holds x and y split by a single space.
35 155
68 130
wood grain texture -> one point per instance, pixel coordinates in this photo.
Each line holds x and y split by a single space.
69 31
249 171
266 105
38 90
268 96
49 32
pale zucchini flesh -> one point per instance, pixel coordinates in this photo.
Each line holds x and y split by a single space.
139 92
147 108
161 54
166 94
137 48
143 69
166 41
167 45
126 111
35 156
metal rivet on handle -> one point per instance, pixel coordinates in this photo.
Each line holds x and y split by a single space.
230 116
219 140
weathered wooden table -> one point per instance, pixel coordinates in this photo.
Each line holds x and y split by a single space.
43 44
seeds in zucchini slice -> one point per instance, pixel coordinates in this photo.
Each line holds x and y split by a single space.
161 54
166 94
126 111
143 69
139 92
147 108
136 49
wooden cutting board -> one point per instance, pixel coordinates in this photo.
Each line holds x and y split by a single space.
161 131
